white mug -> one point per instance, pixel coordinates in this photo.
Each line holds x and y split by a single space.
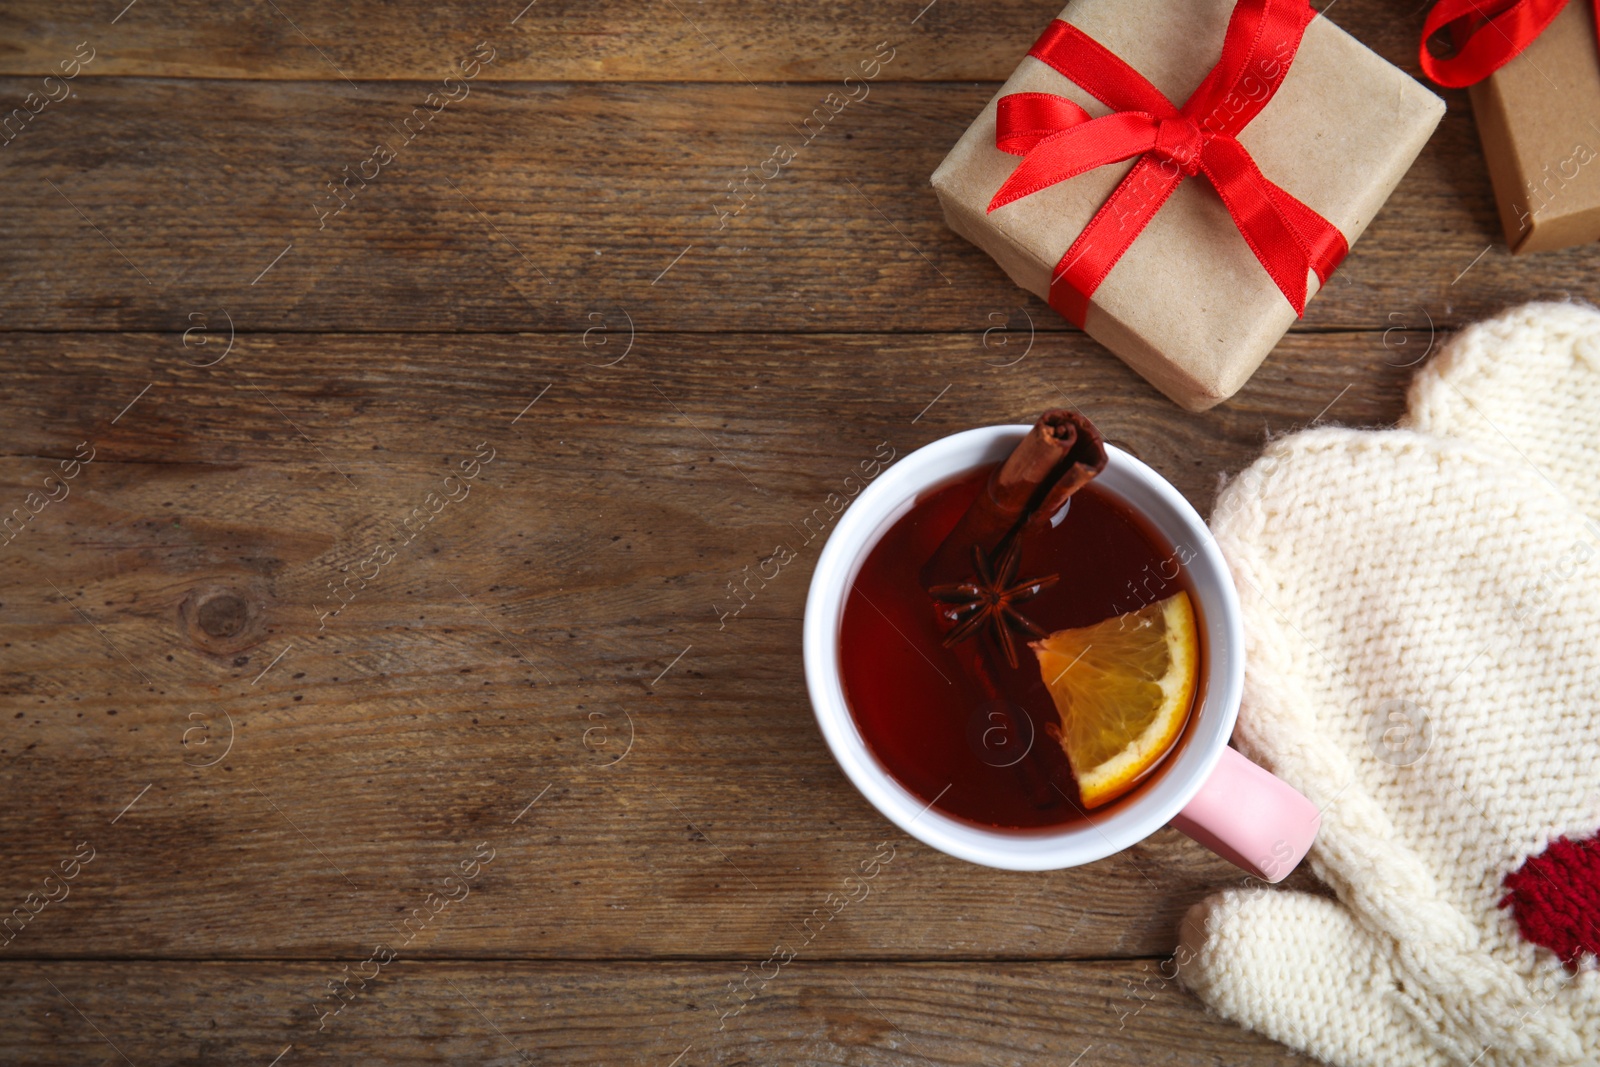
1208 790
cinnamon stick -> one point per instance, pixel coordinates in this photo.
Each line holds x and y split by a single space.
1059 456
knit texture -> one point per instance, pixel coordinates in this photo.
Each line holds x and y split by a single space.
1422 619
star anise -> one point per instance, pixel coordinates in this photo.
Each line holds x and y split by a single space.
991 598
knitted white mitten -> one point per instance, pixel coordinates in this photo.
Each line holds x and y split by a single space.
1422 615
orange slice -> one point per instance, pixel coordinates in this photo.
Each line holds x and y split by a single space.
1122 688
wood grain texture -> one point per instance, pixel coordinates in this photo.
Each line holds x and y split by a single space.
1122 1014
536 752
474 670
573 40
551 208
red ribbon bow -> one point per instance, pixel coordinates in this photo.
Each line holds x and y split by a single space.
1487 34
1059 140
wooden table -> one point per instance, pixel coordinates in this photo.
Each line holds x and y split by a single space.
394 606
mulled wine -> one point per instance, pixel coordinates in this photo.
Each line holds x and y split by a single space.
967 726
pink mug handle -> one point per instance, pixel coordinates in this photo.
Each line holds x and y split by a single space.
1251 818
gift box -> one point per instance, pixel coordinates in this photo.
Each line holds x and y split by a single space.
1537 120
1200 172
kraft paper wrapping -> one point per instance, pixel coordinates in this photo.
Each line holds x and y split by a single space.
1539 120
1188 306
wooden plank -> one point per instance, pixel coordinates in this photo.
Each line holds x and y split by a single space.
556 208
514 644
787 40
772 403
415 1013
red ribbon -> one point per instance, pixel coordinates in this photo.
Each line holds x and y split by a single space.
1487 35
1058 140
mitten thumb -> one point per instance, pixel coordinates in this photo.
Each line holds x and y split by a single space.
1299 969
